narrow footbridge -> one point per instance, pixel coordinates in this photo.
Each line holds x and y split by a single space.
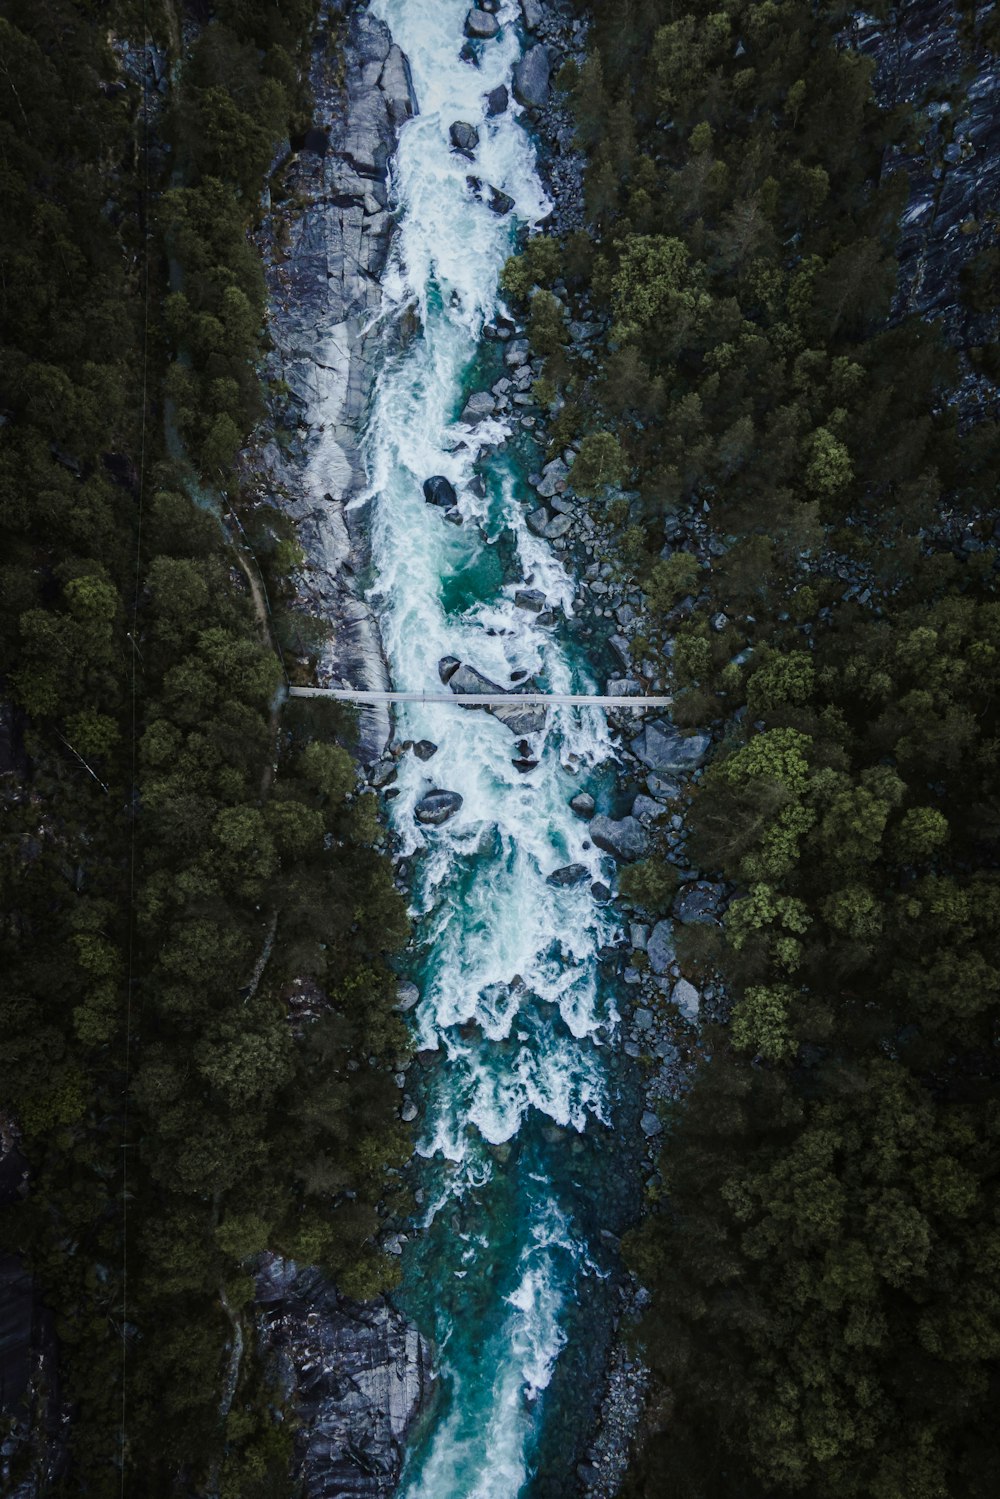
483 699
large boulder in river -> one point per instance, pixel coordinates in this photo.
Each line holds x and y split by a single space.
570 874
500 203
464 137
497 100
531 78
478 408
528 718
440 491
625 838
583 804
436 807
668 752
532 13
480 25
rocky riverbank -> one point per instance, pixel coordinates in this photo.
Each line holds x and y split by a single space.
354 1375
325 244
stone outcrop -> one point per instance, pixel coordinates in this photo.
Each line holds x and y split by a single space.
437 807
531 77
356 1374
928 55
529 718
324 255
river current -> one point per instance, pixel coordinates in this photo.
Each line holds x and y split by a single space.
506 1270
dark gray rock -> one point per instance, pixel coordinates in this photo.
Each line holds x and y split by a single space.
464 137
500 203
625 839
497 101
553 481
600 892
699 903
529 718
531 77
650 1124
583 804
531 599
407 997
666 751
355 1374
481 26
687 999
646 809
437 807
543 523
660 947
440 491
570 874
447 667
531 14
478 408
424 749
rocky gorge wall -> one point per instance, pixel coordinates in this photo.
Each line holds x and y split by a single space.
325 246
354 1375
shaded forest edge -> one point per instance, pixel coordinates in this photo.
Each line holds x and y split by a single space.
197 1018
822 1242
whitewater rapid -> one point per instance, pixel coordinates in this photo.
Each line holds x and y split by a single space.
507 964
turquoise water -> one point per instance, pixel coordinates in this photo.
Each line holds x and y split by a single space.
517 1166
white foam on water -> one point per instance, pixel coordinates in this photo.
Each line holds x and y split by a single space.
511 999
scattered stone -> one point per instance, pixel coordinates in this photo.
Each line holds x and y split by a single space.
554 477
497 101
650 1124
625 839
638 935
531 14
643 1020
531 78
437 807
664 789
424 749
699 903
622 650
407 996
583 804
646 809
660 947
409 1110
464 137
719 622
383 774
531 599
570 874
440 491
480 26
686 997
664 749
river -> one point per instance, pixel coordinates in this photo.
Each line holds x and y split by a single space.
517 1168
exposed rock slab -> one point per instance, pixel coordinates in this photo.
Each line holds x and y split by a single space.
357 1374
323 272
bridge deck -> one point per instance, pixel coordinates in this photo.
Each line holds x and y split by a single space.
483 699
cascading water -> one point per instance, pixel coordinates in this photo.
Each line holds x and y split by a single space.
512 1002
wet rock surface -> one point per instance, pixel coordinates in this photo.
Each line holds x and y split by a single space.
325 246
356 1375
